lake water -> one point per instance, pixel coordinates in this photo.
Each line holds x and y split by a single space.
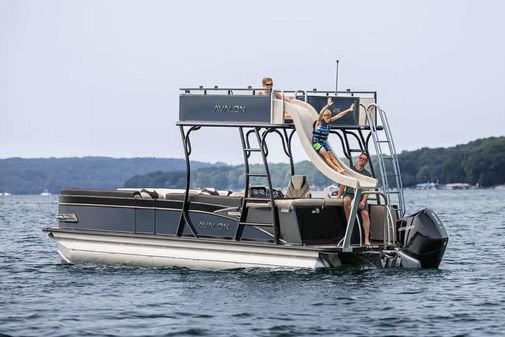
42 296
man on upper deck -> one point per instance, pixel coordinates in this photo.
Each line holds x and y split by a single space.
348 194
268 85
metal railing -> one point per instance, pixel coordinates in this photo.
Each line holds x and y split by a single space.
253 91
381 157
388 222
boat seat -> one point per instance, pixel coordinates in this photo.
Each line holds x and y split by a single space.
301 202
161 193
313 202
298 187
218 200
98 193
213 191
146 194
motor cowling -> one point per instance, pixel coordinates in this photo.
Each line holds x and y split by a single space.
424 238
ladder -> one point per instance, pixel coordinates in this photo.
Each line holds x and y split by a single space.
387 158
248 150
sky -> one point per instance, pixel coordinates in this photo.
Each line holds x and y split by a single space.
102 78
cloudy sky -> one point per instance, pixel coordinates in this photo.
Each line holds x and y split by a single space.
82 78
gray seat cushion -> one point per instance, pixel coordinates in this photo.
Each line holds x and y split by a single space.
298 187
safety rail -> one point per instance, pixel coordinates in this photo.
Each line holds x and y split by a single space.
230 91
388 222
381 157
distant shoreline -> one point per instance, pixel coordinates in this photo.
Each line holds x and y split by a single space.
479 162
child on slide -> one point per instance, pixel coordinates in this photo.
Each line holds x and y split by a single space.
321 132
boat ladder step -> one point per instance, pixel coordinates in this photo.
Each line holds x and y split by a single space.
252 149
256 174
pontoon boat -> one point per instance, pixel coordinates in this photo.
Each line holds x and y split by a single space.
260 226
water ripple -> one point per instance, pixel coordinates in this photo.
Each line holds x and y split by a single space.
42 296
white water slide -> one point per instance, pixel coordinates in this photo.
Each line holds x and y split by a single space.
304 115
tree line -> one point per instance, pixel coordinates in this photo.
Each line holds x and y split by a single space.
35 175
479 162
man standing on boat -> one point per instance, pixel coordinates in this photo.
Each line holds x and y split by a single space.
348 194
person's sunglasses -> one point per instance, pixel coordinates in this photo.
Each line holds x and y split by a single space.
363 158
268 84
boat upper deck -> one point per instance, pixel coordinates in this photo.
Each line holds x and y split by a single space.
252 107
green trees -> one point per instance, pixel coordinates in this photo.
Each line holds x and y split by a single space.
228 177
479 162
33 176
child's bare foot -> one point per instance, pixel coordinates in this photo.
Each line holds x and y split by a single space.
367 243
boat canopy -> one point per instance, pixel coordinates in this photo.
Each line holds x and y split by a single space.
239 106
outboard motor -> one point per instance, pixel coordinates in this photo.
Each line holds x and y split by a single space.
424 239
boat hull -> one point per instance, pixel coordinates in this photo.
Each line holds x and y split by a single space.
101 248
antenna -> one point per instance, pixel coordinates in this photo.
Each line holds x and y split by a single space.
336 80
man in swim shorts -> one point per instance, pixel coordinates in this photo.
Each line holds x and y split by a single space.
348 194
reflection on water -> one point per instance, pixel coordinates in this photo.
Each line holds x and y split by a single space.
42 296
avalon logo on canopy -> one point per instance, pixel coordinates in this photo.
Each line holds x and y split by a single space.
230 108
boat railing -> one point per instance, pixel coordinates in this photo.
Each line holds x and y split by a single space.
252 91
386 154
388 220
229 90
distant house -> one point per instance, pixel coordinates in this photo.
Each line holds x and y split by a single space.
427 186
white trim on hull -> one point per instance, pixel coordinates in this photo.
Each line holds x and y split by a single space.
161 252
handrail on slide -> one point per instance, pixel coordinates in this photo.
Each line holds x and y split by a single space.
392 153
388 223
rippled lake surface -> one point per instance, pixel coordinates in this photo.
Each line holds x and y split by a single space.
42 296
